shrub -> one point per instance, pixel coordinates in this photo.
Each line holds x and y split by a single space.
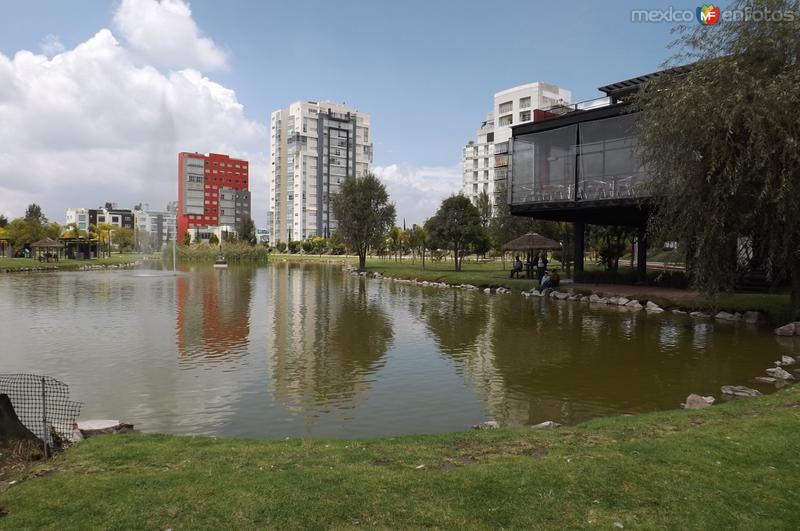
661 279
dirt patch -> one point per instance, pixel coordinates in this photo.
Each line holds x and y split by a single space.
381 462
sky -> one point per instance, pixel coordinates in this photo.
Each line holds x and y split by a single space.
97 97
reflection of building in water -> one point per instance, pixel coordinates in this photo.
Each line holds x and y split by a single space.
328 336
213 315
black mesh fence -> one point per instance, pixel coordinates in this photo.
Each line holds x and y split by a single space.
43 405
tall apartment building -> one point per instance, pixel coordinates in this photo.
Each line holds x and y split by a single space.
485 160
313 147
213 191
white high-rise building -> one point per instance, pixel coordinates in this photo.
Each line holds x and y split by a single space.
485 160
313 147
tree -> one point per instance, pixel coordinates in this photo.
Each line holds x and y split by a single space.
103 232
23 232
3 221
364 212
247 230
213 239
396 240
281 247
52 230
504 227
187 238
417 237
307 246
611 242
34 211
455 225
484 204
721 143
123 238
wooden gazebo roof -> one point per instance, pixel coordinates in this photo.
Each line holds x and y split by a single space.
532 242
47 243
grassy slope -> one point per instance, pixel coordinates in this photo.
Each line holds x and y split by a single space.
22 263
733 466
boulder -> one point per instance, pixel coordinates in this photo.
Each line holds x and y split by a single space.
622 301
787 360
546 424
751 317
526 294
560 295
785 330
700 315
764 379
612 300
725 316
739 390
694 401
488 425
547 292
536 293
636 305
679 312
487 290
90 428
780 374
594 297
653 307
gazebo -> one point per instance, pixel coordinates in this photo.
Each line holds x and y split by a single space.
528 243
47 249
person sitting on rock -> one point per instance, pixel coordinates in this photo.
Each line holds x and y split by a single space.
545 282
517 269
555 279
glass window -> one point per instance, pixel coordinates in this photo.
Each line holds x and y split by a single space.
544 166
608 164
506 107
524 103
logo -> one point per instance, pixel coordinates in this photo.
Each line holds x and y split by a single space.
708 15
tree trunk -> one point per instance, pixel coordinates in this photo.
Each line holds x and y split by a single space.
362 260
794 270
423 258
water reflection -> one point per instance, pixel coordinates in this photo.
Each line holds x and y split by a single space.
330 333
213 315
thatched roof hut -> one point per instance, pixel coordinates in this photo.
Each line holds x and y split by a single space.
532 242
48 248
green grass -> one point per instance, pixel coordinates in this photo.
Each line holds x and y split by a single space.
732 466
776 307
12 264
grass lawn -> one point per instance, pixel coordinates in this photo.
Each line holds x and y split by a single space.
23 263
731 466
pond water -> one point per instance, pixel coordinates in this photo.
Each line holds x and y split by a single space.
309 350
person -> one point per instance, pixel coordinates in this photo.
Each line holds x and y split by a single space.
541 266
555 279
517 269
544 282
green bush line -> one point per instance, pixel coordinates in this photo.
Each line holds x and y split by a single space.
204 253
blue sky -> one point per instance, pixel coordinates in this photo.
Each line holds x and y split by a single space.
425 71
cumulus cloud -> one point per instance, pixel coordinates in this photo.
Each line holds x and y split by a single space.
418 190
93 124
164 33
51 45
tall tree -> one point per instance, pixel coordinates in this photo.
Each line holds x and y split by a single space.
3 221
721 141
504 227
455 225
34 211
364 213
123 238
247 230
484 204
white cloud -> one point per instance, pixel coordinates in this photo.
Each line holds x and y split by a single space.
51 45
92 124
164 33
418 191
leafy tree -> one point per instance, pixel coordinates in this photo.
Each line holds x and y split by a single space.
52 230
481 244
213 239
455 225
34 211
417 237
3 221
318 244
123 238
364 213
294 246
187 238
721 141
504 227
610 242
247 230
281 247
23 232
484 204
307 246
227 236
395 240
74 231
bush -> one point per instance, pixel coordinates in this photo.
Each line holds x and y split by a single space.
307 246
281 247
203 252
660 279
294 247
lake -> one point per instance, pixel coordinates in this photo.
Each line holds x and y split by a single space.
294 349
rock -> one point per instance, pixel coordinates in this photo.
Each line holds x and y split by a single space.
547 292
725 316
622 301
90 428
679 312
602 300
764 379
751 317
780 374
574 298
546 424
488 425
636 305
536 293
739 390
694 401
619 525
612 300
594 297
560 295
652 307
787 360
487 290
785 330
700 315
526 294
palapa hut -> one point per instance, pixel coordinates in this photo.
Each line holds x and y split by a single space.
529 243
47 249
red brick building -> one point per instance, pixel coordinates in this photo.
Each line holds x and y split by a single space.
213 191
